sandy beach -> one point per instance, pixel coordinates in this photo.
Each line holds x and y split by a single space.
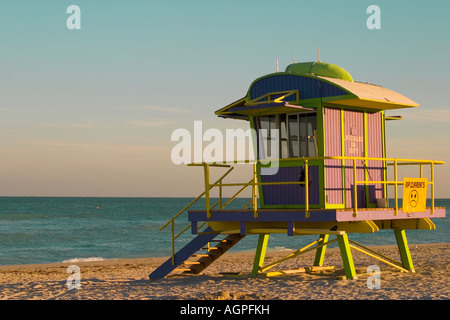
128 279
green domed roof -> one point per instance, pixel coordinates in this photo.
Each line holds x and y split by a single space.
320 68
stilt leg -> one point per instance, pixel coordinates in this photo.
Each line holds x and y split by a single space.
260 253
347 258
403 249
320 253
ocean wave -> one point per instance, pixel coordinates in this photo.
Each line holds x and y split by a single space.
278 248
83 259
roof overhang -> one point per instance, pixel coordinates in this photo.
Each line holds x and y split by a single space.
370 96
376 105
242 109
225 113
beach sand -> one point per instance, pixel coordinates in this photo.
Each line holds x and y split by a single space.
128 279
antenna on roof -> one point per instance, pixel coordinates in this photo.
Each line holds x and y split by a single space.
293 55
277 64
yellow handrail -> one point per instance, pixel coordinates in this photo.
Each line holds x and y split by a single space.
172 220
194 201
395 162
415 161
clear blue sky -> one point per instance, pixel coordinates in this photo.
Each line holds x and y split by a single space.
90 112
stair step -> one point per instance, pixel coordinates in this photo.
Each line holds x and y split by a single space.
191 249
183 254
182 269
216 252
224 240
191 262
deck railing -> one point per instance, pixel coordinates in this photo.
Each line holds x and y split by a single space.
305 161
395 162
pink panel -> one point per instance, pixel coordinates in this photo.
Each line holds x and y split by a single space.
375 149
333 147
354 147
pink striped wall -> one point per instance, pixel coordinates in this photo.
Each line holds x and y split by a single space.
354 147
333 147
375 149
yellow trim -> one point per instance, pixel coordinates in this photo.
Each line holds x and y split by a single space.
276 100
296 231
300 228
355 191
409 224
224 110
344 186
372 104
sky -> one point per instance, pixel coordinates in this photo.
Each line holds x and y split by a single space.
90 111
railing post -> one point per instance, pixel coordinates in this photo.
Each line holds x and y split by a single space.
206 171
366 179
432 187
254 192
307 214
220 194
355 191
173 242
396 187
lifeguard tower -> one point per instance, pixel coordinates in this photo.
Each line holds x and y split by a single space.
333 176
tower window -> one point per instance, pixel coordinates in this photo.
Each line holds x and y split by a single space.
297 135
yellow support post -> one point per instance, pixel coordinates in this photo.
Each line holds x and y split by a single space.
320 253
432 188
206 171
254 192
396 187
307 214
347 258
403 249
355 191
260 253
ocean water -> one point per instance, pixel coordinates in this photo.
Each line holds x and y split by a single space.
56 229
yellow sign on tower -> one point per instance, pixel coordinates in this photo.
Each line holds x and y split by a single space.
414 194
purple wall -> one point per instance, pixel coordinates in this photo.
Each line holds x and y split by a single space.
290 194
